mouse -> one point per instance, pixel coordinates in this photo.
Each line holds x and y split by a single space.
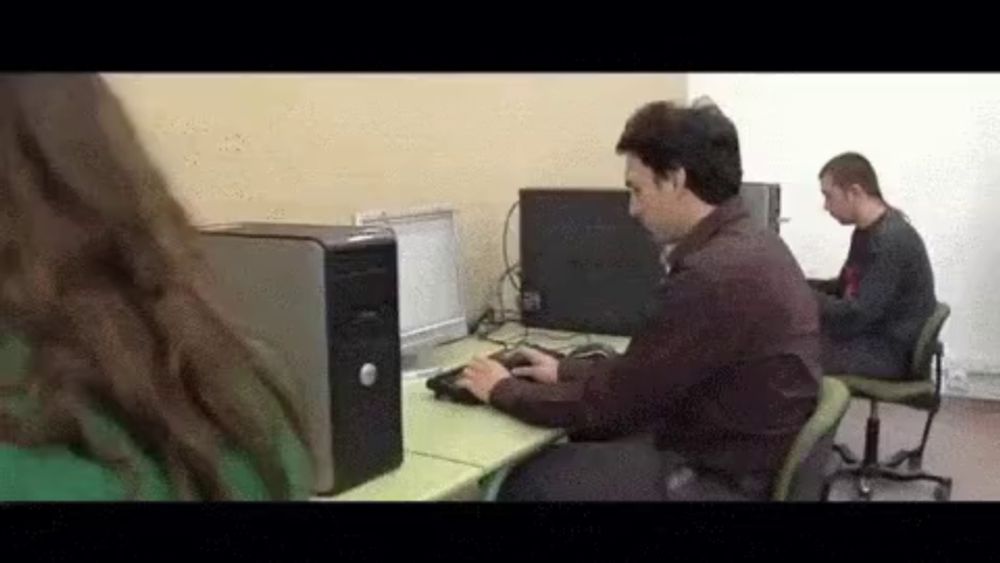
593 350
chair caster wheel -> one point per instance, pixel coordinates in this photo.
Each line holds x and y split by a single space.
865 490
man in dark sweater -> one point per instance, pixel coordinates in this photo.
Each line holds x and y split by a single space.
872 314
726 371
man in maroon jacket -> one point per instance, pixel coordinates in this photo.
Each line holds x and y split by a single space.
727 373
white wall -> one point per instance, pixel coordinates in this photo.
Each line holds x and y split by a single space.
934 141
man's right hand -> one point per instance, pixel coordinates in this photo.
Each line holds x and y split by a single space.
543 369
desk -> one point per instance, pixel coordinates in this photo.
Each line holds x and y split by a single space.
419 478
479 435
449 447
476 435
559 340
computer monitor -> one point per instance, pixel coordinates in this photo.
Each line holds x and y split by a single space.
763 201
430 274
586 264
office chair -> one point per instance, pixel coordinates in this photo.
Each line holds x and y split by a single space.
803 474
492 483
921 390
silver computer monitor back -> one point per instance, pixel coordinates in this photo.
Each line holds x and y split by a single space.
431 277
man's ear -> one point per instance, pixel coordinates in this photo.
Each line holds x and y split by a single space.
856 190
680 176
674 179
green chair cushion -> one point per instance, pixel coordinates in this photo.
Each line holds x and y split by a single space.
919 388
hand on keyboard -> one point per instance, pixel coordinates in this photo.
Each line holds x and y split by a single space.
481 376
521 362
528 362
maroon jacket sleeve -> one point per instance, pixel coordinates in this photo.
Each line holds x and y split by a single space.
578 369
614 396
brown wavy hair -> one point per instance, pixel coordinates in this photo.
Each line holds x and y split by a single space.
101 275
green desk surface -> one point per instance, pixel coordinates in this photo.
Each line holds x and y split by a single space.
420 478
475 435
461 351
478 435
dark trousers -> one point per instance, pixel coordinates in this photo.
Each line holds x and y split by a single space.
628 470
866 356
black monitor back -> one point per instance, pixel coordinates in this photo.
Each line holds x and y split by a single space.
586 265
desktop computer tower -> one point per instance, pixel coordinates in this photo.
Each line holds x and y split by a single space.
323 300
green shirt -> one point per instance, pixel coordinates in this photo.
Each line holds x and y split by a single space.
58 473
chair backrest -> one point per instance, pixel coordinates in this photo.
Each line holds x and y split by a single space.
923 352
813 443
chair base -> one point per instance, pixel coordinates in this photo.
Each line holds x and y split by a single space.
863 473
914 458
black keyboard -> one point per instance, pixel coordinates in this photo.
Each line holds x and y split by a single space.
444 385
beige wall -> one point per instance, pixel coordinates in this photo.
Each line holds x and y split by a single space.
319 147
